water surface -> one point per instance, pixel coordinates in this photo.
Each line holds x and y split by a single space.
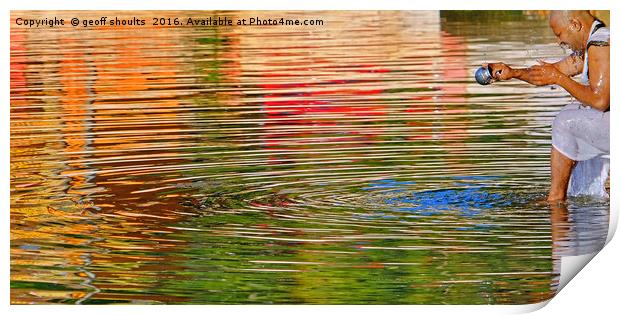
351 163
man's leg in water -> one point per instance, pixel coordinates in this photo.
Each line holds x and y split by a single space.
561 168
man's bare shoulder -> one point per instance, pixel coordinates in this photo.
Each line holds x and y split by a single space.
599 53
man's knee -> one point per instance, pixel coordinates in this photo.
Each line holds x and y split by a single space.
562 122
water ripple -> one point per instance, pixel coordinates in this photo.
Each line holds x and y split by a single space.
279 165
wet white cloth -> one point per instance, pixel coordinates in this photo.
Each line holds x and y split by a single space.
581 133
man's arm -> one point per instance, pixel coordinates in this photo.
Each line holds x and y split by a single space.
570 65
524 74
597 93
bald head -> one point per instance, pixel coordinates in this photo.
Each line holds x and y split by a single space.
564 17
571 27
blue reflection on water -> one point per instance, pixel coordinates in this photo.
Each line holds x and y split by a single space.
386 183
469 201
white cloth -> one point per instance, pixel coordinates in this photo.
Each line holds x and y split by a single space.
581 133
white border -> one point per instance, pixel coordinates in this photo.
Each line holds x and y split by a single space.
308 5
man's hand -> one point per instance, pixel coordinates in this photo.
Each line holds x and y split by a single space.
544 74
500 71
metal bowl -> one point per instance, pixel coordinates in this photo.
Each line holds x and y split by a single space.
483 76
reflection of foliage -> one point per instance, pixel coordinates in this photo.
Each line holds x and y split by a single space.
497 25
211 47
231 263
488 16
212 40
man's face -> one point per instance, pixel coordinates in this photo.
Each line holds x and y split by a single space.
567 33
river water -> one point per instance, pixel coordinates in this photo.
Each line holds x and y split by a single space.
356 162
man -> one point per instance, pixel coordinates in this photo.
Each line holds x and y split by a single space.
580 130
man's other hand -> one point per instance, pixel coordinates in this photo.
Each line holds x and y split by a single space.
544 74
